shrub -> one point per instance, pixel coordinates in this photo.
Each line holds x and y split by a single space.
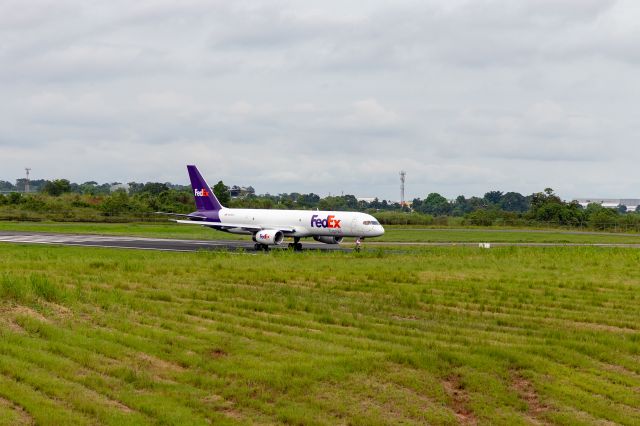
14 198
480 218
398 218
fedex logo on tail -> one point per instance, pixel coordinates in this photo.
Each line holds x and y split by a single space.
201 192
329 222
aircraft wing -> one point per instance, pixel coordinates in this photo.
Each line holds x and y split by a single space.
222 226
182 215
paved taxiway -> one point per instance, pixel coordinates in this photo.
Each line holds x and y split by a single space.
140 243
165 244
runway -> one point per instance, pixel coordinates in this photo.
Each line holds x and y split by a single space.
166 244
140 243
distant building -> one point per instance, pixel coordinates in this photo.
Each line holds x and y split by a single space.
35 185
241 191
630 203
117 186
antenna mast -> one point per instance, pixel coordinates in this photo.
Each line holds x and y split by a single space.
26 183
402 177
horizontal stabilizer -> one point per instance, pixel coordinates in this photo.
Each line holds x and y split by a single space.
195 216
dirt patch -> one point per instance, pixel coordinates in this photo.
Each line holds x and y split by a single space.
407 318
106 400
59 310
159 366
23 417
445 276
9 313
223 406
213 398
527 393
11 325
118 405
27 311
600 327
217 353
459 400
620 370
229 412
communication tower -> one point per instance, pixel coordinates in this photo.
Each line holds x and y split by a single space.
403 174
26 183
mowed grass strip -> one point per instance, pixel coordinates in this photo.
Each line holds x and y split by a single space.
435 335
393 233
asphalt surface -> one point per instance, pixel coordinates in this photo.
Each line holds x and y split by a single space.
501 244
140 243
165 244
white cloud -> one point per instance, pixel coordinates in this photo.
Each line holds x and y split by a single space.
467 96
369 112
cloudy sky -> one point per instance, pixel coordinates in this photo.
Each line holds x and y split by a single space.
466 96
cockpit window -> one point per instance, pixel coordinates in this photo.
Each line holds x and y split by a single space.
370 222
366 222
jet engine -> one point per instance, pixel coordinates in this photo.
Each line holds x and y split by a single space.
328 240
269 237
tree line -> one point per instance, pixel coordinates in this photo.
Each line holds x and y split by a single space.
61 199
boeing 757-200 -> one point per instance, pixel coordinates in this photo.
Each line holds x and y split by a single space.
269 227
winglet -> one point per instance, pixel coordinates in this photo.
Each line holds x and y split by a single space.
204 196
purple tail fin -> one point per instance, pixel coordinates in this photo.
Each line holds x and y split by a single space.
204 196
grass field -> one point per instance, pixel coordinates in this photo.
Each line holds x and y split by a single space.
392 234
437 335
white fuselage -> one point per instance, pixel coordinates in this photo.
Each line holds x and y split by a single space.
305 223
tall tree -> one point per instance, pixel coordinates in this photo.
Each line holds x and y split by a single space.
493 197
461 206
56 187
6 186
222 192
436 205
155 188
514 202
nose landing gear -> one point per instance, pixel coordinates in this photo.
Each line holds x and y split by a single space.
358 244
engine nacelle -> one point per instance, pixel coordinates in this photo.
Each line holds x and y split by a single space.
269 237
328 240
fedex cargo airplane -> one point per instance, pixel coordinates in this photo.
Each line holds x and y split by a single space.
269 227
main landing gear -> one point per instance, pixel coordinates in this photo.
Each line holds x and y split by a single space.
296 245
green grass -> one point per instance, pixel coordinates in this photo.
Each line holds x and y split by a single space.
473 235
393 233
435 335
